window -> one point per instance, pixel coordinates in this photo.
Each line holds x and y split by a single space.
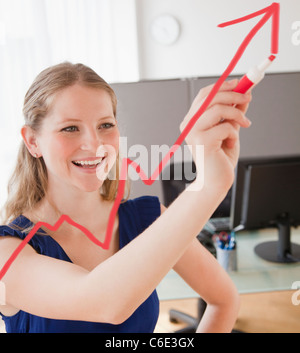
35 34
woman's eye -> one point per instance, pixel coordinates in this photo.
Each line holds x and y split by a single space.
70 129
107 126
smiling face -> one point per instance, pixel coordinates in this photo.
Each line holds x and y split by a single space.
79 138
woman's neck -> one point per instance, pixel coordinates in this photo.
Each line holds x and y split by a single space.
84 208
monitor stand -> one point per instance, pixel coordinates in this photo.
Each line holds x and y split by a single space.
281 251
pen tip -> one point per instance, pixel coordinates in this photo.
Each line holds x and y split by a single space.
272 57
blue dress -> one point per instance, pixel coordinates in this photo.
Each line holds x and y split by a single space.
134 217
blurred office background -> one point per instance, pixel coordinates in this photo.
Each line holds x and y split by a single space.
155 82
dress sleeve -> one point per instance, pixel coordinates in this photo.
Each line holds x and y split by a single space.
13 231
10 232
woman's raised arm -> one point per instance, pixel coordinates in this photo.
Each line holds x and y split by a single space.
114 289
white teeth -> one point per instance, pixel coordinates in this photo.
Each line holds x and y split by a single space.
97 161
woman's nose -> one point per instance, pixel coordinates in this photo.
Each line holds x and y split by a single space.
90 141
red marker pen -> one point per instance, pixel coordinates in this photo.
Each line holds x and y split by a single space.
254 76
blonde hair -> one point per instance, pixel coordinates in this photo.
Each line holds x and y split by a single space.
28 183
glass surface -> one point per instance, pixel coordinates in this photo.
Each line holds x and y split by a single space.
253 273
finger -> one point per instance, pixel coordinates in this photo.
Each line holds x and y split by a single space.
231 140
218 114
223 135
231 98
244 106
226 86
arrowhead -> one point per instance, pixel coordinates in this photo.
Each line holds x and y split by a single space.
271 11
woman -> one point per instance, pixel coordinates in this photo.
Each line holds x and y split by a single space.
61 281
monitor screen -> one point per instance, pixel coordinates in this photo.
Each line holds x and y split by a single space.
266 193
176 177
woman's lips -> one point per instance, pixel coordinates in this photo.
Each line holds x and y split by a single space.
101 164
88 164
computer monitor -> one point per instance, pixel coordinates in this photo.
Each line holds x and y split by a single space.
266 193
175 178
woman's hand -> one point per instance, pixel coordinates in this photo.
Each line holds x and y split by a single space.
218 131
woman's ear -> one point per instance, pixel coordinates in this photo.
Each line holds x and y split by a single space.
29 137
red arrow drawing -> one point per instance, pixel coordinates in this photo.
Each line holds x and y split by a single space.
271 11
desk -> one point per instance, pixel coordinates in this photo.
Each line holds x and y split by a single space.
253 275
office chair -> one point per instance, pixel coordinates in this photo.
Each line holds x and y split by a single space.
174 179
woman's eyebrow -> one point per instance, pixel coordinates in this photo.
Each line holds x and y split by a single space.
69 120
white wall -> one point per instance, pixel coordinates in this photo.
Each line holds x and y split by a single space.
203 49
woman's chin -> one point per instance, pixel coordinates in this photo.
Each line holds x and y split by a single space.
90 187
